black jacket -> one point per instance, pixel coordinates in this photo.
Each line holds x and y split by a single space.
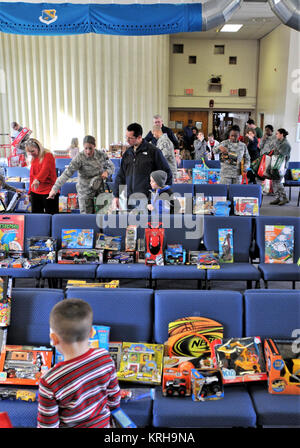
136 168
150 137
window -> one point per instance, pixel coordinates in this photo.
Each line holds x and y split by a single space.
192 59
178 48
232 60
219 49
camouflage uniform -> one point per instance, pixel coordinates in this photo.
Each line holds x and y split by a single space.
231 162
282 148
267 143
89 175
167 148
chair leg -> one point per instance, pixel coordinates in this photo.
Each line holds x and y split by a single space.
266 284
199 284
208 284
249 284
257 284
294 284
37 283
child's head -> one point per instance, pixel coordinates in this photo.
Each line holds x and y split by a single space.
71 320
158 179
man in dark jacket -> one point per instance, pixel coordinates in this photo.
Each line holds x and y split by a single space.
157 121
138 162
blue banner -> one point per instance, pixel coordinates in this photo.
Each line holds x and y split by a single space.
128 20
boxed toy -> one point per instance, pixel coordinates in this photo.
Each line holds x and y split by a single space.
207 384
154 244
208 260
80 256
213 176
176 379
137 394
184 176
141 363
63 204
11 233
113 256
72 202
193 256
108 242
131 238
5 301
279 244
41 243
202 205
77 238
140 253
199 175
24 365
244 206
23 204
241 360
225 245
175 254
115 351
12 393
221 208
85 284
121 419
283 366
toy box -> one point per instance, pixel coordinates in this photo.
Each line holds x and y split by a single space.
72 202
193 256
245 206
207 384
175 254
115 351
221 208
199 175
137 394
202 205
131 238
108 242
77 238
154 237
213 176
80 256
176 379
23 204
5 301
140 253
41 243
113 257
208 260
24 365
279 244
121 419
184 176
42 257
283 367
85 284
141 363
12 393
241 360
11 233
63 204
225 245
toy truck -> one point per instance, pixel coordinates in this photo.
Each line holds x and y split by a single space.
177 379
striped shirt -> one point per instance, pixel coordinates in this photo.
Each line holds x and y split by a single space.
79 393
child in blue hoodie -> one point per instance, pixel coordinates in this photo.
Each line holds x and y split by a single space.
161 200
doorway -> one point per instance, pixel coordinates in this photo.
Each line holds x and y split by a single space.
181 118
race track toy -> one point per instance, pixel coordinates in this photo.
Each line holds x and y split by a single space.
141 363
175 254
107 242
5 301
283 367
279 244
11 233
24 365
154 244
225 245
77 238
80 256
207 384
241 360
208 260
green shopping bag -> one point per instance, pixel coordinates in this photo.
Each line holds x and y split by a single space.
277 167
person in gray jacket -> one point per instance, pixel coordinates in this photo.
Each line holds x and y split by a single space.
200 147
167 148
282 148
93 167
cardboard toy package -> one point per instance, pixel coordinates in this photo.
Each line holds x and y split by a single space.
41 243
176 379
24 365
154 236
115 351
77 238
207 384
175 254
208 260
115 257
11 233
5 301
283 366
225 245
184 176
80 256
141 362
193 256
240 360
202 205
279 244
85 284
63 204
199 175
244 206
131 238
213 176
108 242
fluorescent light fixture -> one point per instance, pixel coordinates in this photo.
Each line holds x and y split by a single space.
230 28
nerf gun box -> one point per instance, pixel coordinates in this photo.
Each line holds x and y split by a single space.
283 367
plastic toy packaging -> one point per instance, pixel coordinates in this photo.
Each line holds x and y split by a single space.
202 205
225 245
208 260
283 366
279 244
154 236
113 256
80 256
12 393
137 394
131 238
175 254
245 206
241 360
108 242
12 233
207 384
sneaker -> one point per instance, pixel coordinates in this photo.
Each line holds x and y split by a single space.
283 201
275 202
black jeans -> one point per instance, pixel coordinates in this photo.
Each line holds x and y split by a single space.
40 203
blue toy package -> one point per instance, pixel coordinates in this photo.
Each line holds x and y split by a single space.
77 238
175 254
121 419
225 245
199 175
222 208
213 176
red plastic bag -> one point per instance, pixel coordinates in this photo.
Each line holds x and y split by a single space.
244 179
262 166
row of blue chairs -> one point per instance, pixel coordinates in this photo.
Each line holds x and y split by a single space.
142 315
194 232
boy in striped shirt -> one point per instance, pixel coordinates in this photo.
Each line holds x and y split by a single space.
81 391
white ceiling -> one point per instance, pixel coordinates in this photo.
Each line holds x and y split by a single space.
257 18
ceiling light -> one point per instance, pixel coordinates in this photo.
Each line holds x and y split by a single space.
230 28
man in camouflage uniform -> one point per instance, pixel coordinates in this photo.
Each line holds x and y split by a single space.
234 158
167 148
93 167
